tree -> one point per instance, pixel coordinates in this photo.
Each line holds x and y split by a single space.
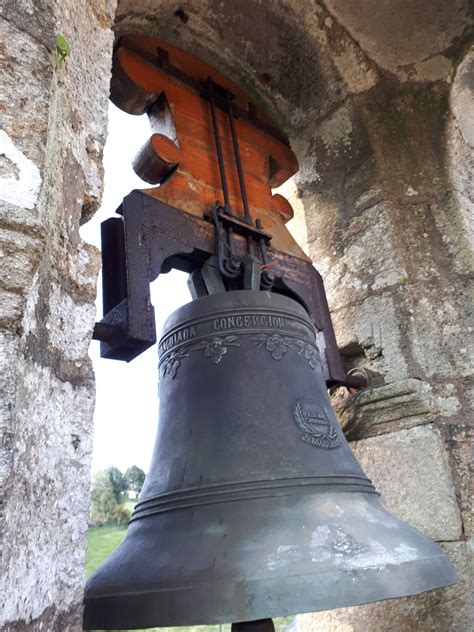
103 498
119 482
121 515
135 477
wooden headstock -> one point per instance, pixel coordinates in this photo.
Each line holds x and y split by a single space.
177 223
168 84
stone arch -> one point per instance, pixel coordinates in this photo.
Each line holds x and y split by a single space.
366 115
364 92
299 89
366 105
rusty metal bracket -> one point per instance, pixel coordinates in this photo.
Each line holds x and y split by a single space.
150 238
356 380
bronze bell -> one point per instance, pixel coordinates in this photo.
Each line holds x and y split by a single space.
254 505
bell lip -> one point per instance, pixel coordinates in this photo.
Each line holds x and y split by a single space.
164 608
245 298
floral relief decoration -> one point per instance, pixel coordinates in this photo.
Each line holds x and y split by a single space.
172 363
214 349
278 346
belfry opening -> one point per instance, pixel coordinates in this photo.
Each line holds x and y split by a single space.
254 506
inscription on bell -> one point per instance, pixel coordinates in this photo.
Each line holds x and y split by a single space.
245 321
182 335
238 322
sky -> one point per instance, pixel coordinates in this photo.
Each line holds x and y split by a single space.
126 413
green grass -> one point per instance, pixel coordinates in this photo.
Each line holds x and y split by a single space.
101 541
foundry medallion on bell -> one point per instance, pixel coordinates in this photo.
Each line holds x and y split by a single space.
317 424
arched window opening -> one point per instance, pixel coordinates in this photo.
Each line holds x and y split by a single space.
215 216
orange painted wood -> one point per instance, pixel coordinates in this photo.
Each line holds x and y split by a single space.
156 160
185 101
281 205
187 169
193 66
128 95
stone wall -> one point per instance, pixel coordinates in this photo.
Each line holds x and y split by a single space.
397 262
375 97
397 259
53 126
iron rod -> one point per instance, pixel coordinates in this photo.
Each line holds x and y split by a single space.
243 190
220 155
235 143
